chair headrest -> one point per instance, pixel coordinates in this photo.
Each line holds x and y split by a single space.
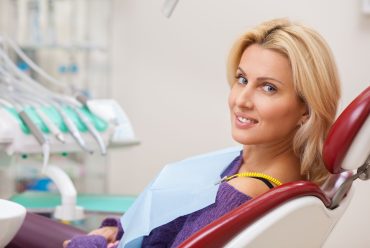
347 145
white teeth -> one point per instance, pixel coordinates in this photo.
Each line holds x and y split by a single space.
245 120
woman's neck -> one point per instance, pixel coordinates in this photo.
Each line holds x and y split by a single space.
276 159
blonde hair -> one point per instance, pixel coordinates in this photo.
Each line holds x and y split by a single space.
315 79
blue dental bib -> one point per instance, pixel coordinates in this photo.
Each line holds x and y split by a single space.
180 189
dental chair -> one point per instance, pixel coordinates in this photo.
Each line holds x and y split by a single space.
296 214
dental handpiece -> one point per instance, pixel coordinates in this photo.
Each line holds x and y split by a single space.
33 128
40 137
51 126
75 133
93 131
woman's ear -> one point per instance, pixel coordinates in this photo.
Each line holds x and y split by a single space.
305 116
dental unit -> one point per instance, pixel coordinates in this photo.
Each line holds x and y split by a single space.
38 120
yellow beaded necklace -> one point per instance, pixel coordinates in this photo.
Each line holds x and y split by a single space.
252 174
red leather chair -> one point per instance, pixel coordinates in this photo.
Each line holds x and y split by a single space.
297 214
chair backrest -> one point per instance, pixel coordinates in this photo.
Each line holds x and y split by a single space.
347 137
348 144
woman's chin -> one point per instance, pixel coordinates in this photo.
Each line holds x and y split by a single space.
242 139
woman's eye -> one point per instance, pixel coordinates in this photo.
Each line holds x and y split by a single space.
242 80
269 88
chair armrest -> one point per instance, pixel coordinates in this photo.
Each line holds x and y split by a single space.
38 231
220 231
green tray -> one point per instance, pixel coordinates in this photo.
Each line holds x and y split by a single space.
37 201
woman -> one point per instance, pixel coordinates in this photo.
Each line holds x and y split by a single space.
283 99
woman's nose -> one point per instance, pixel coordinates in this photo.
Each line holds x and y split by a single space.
245 97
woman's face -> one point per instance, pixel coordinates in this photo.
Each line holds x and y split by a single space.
264 106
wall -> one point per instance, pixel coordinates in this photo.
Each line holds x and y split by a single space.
169 75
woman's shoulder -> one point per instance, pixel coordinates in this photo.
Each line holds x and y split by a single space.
251 187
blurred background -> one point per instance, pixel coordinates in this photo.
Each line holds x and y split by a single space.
169 76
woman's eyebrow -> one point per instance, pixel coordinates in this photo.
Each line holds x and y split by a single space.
243 72
261 78
270 78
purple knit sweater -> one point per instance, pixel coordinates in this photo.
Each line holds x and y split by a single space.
175 232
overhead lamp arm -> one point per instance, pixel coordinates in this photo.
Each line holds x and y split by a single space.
168 7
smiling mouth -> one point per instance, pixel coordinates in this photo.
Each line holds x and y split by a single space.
246 120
